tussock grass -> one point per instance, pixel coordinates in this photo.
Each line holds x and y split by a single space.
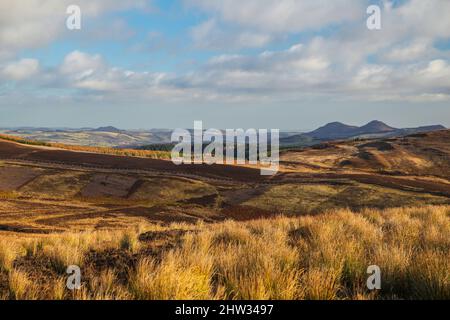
8 254
310 257
21 287
321 283
67 250
33 247
106 287
129 241
183 274
58 291
252 266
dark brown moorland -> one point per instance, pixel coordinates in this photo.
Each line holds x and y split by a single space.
118 212
407 171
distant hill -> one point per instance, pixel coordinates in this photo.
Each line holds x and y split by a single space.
103 136
333 130
158 139
375 127
108 129
337 130
298 139
407 131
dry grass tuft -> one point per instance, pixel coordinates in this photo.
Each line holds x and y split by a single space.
21 287
311 257
8 254
129 241
182 274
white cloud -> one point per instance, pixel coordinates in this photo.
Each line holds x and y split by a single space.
311 64
91 72
282 15
294 73
371 77
410 52
79 63
255 23
211 35
423 18
35 23
397 63
437 68
21 70
435 74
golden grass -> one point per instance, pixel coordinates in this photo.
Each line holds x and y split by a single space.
129 241
8 254
105 287
257 265
21 287
310 257
183 274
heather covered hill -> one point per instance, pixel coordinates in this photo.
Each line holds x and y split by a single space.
62 188
422 154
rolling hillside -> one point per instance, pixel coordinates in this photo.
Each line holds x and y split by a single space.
63 189
146 229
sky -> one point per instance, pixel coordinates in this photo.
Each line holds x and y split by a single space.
281 64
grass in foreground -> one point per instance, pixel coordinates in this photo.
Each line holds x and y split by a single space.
312 257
